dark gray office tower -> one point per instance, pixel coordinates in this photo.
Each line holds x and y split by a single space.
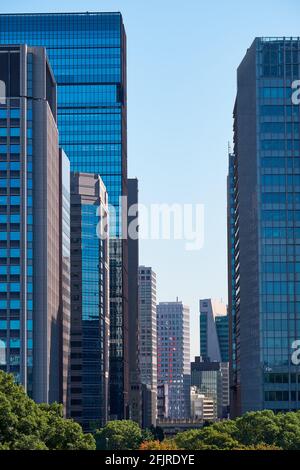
88 54
89 302
29 222
135 391
264 229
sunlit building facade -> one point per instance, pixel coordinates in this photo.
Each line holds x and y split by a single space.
30 223
87 52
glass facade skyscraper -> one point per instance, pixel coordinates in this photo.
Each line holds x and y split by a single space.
264 229
87 52
89 302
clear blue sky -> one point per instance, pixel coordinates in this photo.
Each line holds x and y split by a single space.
182 59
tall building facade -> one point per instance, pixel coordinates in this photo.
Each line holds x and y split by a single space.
88 54
135 390
173 356
264 230
89 302
65 280
214 331
148 342
30 223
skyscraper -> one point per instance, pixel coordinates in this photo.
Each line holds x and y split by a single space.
65 281
89 302
263 229
173 356
30 253
135 390
148 343
88 54
214 338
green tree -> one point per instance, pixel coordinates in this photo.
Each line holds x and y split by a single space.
208 438
289 436
119 435
260 430
188 440
257 428
147 435
29 426
257 447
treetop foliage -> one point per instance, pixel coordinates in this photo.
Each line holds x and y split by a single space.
27 425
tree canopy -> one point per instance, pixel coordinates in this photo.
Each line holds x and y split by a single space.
27 425
119 435
260 430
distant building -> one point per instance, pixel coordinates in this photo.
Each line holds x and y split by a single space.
173 352
214 331
207 377
162 401
149 406
89 302
148 343
202 406
171 427
214 343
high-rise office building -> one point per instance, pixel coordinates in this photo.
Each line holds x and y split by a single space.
65 279
214 336
88 54
89 301
148 343
30 294
173 356
135 389
263 229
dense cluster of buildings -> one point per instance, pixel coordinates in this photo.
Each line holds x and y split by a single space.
79 321
79 318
